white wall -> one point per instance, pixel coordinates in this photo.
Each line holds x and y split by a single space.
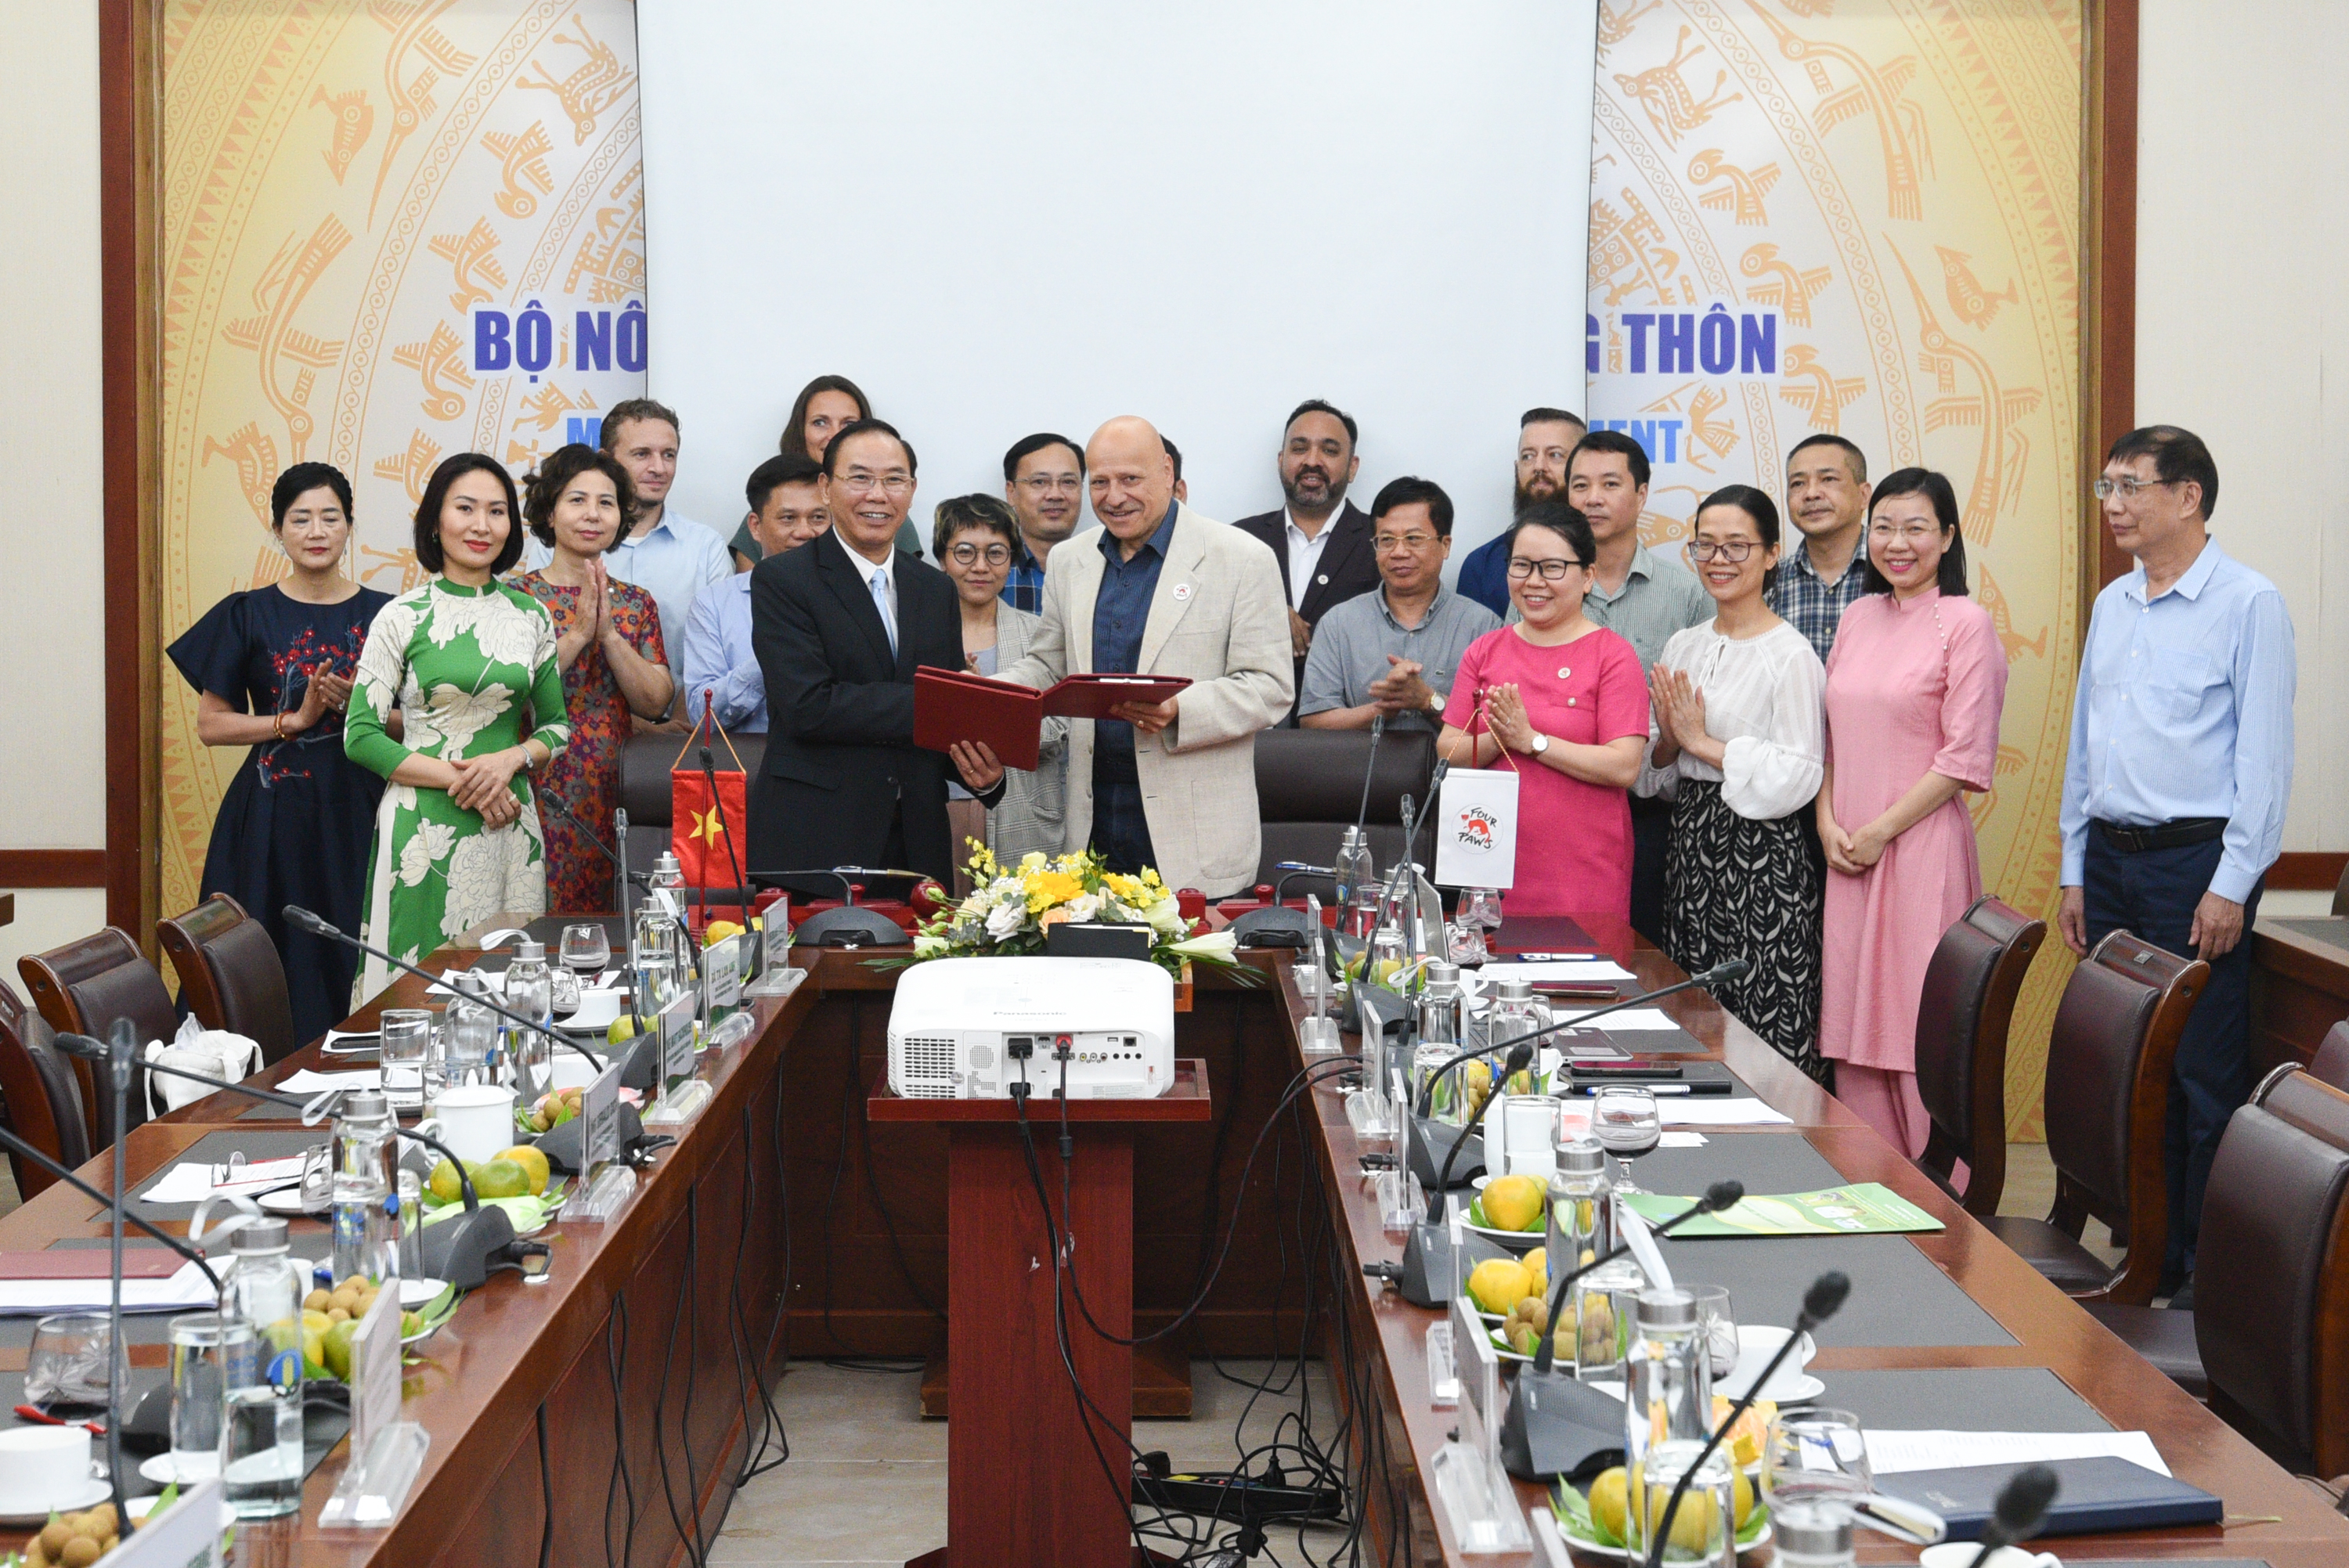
2243 329
52 705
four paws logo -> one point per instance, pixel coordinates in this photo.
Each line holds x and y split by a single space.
1474 830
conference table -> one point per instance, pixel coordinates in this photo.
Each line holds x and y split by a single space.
614 1404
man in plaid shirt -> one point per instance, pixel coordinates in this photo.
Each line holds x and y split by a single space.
1044 481
1827 497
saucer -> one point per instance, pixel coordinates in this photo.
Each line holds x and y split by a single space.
162 1472
95 1492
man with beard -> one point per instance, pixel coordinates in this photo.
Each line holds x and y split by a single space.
1320 539
1044 481
1545 438
1826 498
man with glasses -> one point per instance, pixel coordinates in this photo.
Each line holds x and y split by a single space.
1164 591
721 672
1044 481
839 627
1642 598
1545 440
1320 539
1395 652
2174 789
1826 499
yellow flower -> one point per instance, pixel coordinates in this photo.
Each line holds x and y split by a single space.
1046 889
1033 860
1127 889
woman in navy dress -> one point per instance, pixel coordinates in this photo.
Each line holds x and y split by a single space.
271 669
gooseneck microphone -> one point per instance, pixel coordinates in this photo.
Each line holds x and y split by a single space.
318 926
1822 1301
1362 811
2020 1511
1719 1196
725 829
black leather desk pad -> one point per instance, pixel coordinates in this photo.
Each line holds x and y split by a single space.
1960 1400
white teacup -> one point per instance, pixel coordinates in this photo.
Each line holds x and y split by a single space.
1959 1553
1757 1343
476 1120
42 1467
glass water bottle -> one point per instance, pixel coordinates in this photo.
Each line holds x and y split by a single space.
366 1175
530 991
261 1457
1667 1421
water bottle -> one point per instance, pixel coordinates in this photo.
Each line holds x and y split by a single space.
1667 1421
1354 868
471 1036
261 1457
1581 1206
669 878
530 991
366 1172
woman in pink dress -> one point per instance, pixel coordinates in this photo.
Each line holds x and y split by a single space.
1914 688
1561 701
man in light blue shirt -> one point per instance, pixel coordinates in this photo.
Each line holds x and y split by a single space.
2180 771
786 510
670 557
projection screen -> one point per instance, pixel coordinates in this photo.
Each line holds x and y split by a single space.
1035 214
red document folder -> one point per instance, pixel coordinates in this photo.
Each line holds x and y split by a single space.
953 704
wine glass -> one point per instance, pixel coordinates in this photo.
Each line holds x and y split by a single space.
1482 907
1627 1124
585 949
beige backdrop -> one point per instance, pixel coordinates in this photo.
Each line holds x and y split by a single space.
1900 182
345 185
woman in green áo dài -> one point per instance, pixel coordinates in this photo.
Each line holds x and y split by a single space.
466 658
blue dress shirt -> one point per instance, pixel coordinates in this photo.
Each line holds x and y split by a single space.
718 659
1485 575
1119 612
673 561
2184 710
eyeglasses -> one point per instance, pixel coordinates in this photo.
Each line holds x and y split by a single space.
858 483
1735 551
2126 487
1914 534
969 555
1045 484
1551 570
1388 544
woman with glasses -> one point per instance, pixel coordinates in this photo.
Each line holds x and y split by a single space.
976 538
1739 748
272 668
1557 700
1914 690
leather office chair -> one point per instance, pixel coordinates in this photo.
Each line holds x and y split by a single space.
231 974
2330 1062
43 1098
2267 1344
1309 790
82 988
2107 1097
1961 1022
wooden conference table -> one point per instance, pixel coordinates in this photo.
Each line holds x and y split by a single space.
642 1337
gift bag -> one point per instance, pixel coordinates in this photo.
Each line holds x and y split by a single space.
215 1052
710 837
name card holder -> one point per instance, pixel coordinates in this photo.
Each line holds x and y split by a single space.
683 1095
386 1451
610 1183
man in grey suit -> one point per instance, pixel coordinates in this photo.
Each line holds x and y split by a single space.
1162 590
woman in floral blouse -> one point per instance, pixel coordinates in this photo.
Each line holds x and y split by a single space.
457 837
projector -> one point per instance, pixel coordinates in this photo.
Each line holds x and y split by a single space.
969 1028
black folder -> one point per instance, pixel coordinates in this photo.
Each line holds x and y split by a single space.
2093 1496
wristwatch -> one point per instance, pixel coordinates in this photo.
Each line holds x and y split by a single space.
1540 745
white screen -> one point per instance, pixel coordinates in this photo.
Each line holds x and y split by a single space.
1035 214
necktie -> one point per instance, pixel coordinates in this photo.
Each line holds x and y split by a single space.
881 602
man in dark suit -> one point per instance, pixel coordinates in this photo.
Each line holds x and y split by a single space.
839 627
1321 539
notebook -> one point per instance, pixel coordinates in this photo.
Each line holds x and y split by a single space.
2093 1496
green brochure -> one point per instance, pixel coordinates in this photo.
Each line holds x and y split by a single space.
1862 1209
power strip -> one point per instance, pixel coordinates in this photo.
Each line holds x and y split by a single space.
1230 1495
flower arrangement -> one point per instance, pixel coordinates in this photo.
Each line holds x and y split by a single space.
1011 908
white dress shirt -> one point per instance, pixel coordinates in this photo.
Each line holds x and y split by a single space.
1766 697
1305 553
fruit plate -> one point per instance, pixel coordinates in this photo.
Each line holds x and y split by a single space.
1524 1240
1572 1510
432 1315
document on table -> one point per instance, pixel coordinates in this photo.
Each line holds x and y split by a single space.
193 1181
307 1081
1556 969
30 1298
1702 1110
1618 1023
1892 1452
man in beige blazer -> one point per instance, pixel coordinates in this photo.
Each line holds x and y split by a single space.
1164 591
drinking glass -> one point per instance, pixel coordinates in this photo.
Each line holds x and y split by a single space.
1718 1319
1482 907
1463 942
1605 1305
1815 1456
211 1353
407 1047
1627 1124
67 1365
585 949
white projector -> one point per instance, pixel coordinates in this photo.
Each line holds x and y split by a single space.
969 1028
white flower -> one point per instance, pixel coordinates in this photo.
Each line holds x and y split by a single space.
459 714
974 906
928 946
1006 918
1085 906
430 843
1166 916
1215 945
477 882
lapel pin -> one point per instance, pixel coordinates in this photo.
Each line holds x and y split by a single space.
1182 593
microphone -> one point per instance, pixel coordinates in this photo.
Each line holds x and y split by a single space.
1822 1301
620 861
852 924
316 925
2020 1511
459 1251
1713 976
563 810
1555 1422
